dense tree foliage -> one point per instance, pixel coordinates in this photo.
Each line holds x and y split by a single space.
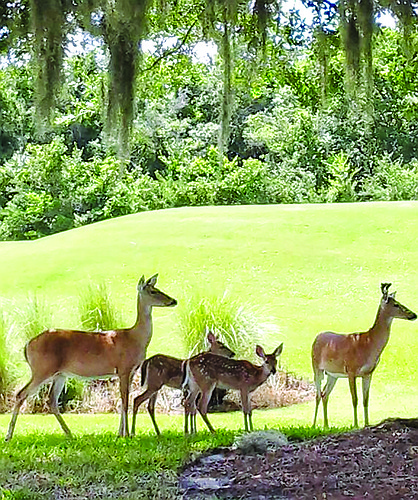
283 113
46 26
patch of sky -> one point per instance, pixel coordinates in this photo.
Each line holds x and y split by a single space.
81 42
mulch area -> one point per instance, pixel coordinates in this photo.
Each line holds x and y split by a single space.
379 462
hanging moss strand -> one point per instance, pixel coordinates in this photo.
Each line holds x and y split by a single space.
227 86
322 55
124 28
261 14
48 20
366 18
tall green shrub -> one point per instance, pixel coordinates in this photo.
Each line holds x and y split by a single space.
21 320
392 180
342 181
240 325
6 378
32 317
96 309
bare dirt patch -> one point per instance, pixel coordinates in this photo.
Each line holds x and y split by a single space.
281 389
102 396
379 462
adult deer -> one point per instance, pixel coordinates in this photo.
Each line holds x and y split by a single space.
206 371
354 355
55 354
162 370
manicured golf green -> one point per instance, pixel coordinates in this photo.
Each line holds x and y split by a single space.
307 268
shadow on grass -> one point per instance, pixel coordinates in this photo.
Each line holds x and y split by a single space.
106 466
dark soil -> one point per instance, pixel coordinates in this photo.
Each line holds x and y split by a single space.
379 462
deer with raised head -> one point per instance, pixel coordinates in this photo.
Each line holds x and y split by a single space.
354 355
55 354
206 371
160 370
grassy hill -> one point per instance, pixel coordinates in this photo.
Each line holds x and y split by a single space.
307 267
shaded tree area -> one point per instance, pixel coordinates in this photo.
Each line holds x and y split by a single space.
283 112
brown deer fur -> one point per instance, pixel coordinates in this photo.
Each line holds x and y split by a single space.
206 371
55 354
162 370
354 355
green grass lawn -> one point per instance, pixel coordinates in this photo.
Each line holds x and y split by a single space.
40 462
307 267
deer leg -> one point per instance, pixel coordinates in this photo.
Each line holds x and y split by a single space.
190 410
193 419
250 420
193 416
148 394
246 408
151 411
203 407
187 418
30 388
186 404
186 422
20 399
353 390
366 389
331 381
190 422
54 394
124 381
318 376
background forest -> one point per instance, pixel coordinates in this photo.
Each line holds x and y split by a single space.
284 111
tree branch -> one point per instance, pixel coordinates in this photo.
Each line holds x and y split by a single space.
173 50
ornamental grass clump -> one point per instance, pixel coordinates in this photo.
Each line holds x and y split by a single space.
239 325
20 321
96 310
33 316
7 372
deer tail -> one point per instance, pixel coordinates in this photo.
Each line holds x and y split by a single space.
26 352
144 367
183 372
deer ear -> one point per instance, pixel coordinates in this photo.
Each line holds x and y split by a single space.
385 290
211 337
278 350
153 280
260 352
141 283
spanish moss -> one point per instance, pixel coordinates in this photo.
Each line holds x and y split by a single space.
226 108
124 28
48 21
228 9
323 59
351 39
404 11
261 13
84 12
366 21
